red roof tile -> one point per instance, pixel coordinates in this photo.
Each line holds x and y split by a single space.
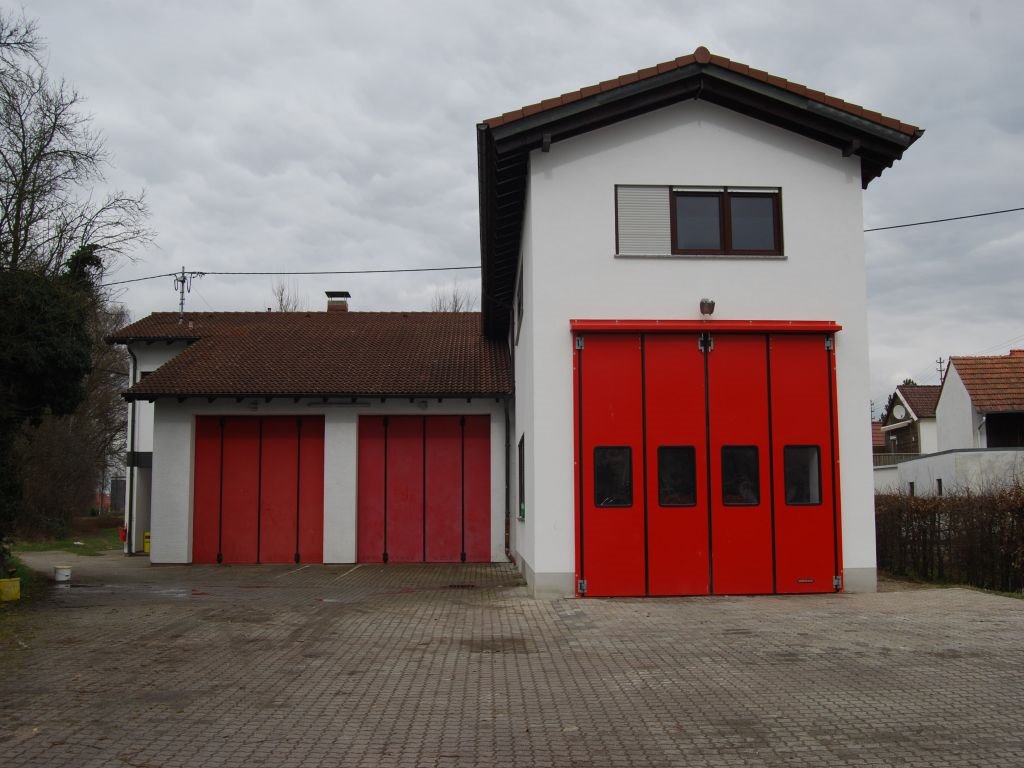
322 354
702 57
922 398
996 383
877 435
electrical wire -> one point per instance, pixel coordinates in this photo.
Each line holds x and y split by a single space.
940 221
285 274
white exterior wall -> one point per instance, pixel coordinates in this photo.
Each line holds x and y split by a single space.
147 358
572 272
958 422
971 470
174 450
929 431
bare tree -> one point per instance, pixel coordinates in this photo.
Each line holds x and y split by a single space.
452 299
50 160
287 298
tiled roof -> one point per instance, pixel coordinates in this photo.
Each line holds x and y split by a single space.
996 383
403 354
703 56
922 398
877 435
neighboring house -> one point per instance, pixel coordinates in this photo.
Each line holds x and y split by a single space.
909 422
982 402
980 431
674 260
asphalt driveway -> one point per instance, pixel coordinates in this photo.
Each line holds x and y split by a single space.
282 666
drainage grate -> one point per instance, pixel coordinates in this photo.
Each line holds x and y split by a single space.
461 586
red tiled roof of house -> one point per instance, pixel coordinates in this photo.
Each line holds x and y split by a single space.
922 398
400 354
703 56
995 383
877 436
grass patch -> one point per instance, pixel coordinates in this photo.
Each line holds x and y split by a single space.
90 543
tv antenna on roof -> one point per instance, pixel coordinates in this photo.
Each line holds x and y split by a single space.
183 285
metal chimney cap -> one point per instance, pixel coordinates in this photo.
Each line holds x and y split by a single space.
338 294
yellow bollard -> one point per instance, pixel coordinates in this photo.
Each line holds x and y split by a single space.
145 542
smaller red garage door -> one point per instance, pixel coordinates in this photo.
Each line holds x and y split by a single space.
424 489
259 489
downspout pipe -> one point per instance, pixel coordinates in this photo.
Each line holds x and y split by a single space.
130 489
508 486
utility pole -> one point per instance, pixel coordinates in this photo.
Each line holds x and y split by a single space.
940 366
183 285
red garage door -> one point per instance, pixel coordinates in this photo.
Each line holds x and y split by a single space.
259 489
424 489
707 464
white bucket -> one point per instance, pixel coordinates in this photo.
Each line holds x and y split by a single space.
61 573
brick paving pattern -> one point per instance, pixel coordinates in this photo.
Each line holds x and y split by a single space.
455 666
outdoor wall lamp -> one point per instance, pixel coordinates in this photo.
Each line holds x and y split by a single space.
707 307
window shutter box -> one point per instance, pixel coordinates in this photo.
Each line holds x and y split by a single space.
644 224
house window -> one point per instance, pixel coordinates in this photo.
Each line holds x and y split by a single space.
727 222
698 221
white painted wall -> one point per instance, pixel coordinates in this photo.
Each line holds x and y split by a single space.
974 470
173 456
958 422
147 358
929 431
887 479
572 272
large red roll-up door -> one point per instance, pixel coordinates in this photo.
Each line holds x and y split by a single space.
707 463
424 489
258 489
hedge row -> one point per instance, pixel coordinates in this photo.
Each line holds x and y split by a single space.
963 538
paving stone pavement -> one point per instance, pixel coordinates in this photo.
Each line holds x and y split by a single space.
455 666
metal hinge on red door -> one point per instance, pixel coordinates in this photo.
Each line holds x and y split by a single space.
705 343
829 343
579 342
581 586
837 582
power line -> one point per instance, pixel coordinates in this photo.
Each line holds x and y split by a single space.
315 272
940 221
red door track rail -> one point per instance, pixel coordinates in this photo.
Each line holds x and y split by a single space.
690 326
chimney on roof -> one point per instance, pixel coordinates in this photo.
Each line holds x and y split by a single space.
1017 353
337 301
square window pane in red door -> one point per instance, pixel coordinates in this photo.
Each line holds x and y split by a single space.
677 476
802 472
740 476
613 476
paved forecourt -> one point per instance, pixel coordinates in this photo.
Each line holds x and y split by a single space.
455 666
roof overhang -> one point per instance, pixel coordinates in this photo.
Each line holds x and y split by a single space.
503 151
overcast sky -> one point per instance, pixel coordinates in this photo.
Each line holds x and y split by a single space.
309 135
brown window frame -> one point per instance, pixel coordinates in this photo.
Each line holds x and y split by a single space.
725 222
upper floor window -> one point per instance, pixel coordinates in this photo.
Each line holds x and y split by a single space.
698 221
725 222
